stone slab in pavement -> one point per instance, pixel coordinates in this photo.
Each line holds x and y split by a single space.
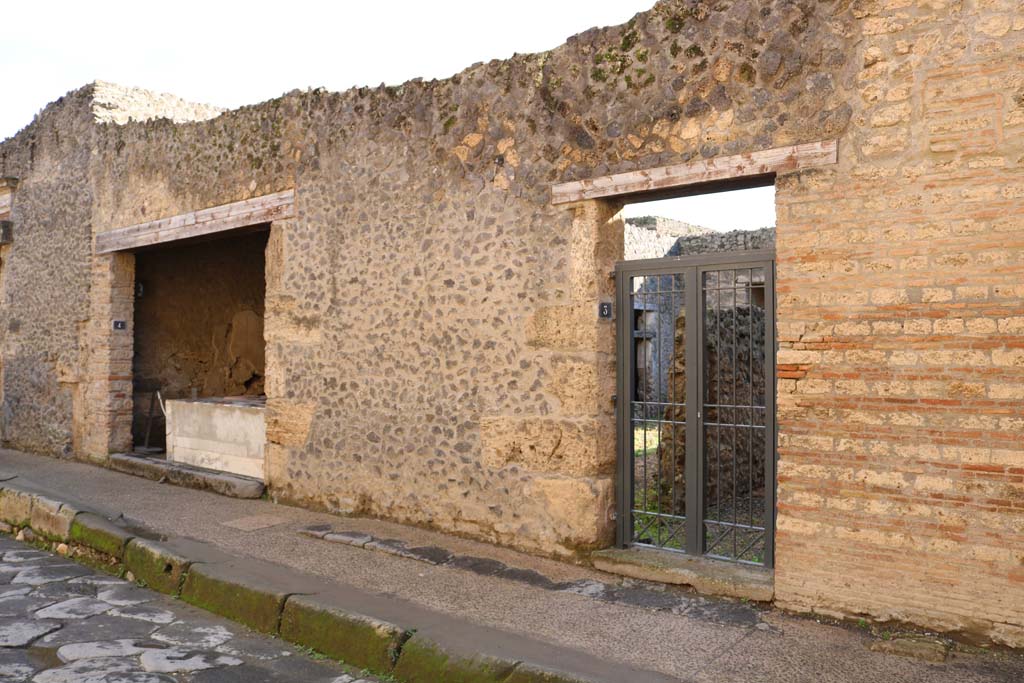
85 627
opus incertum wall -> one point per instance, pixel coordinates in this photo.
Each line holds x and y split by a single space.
433 349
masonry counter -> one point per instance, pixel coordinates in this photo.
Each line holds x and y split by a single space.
226 434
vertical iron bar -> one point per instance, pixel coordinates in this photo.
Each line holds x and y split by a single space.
693 467
623 407
750 398
769 414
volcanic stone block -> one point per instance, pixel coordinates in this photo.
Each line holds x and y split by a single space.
353 638
99 534
159 567
423 661
227 590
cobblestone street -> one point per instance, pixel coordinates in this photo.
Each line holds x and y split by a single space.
61 622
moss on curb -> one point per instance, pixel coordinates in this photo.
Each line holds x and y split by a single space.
100 535
257 607
156 566
423 661
353 638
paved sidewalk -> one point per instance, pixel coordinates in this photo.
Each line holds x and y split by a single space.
684 637
63 623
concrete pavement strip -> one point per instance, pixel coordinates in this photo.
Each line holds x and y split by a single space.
379 633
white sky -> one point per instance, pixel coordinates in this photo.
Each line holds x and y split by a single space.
231 53
722 211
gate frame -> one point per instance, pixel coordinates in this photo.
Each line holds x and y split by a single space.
693 267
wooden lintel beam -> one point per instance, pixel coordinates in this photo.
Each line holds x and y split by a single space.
764 162
271 207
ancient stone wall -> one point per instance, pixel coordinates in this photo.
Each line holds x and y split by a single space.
465 381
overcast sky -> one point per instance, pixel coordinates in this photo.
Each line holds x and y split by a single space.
235 53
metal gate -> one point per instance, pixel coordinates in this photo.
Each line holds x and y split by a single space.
697 447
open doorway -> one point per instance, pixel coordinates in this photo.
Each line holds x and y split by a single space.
696 359
199 357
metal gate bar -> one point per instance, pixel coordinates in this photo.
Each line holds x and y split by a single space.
679 420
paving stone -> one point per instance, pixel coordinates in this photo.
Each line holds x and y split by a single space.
431 554
189 635
316 530
21 632
99 580
479 565
25 556
124 596
16 666
254 648
98 670
37 576
68 624
144 613
175 660
102 627
75 608
352 538
22 605
100 648
63 590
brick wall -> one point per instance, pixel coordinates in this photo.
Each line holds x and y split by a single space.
901 327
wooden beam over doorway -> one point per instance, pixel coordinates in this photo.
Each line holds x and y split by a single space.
764 162
270 207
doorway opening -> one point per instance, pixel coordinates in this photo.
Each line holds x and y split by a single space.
199 359
696 357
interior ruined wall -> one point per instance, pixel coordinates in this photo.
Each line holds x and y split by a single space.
901 325
199 322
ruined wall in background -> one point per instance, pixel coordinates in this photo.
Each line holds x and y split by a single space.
653 236
901 325
199 322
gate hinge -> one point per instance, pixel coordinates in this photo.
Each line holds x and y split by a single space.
615 399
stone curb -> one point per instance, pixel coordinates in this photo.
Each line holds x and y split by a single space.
307 620
187 477
156 566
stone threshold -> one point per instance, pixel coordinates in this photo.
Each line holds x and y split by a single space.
634 593
403 643
157 469
713 577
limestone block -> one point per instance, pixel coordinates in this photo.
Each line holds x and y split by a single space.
288 421
573 447
52 519
15 507
581 507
